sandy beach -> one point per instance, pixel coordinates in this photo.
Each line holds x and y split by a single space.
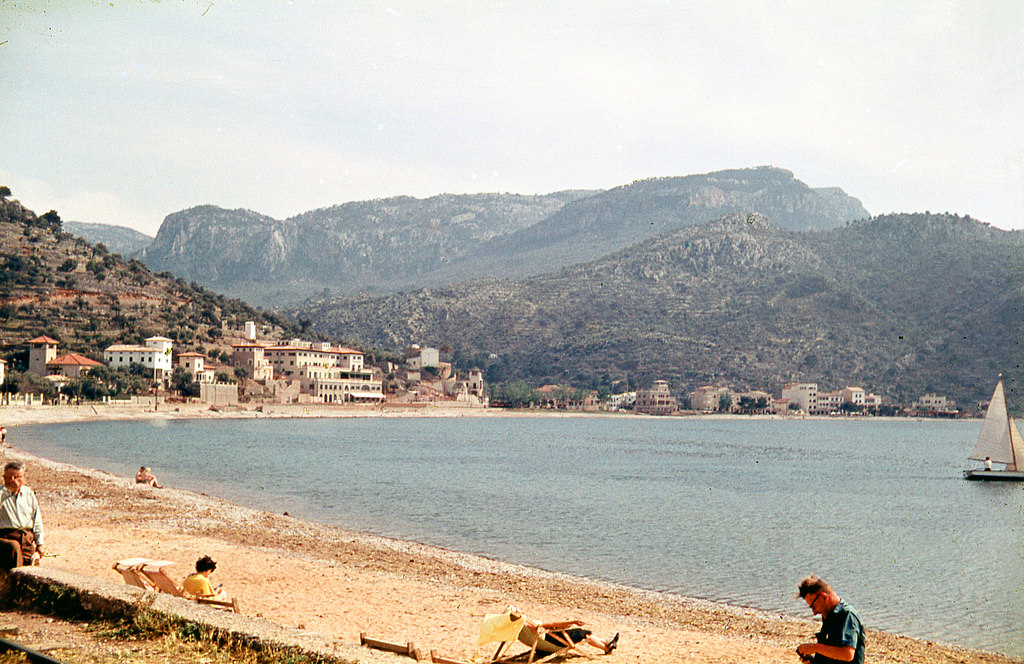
340 583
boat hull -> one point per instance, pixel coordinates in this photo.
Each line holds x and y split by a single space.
995 475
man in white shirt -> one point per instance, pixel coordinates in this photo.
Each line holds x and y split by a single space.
21 524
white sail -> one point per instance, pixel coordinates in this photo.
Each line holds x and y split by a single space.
995 440
1017 443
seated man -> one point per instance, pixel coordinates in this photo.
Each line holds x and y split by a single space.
198 584
544 637
21 524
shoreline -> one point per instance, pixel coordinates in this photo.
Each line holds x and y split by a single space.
19 414
340 583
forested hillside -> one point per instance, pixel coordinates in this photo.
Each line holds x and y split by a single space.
87 298
899 305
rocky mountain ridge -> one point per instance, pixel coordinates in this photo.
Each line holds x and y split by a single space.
387 245
897 304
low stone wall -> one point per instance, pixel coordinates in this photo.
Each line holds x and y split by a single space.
76 596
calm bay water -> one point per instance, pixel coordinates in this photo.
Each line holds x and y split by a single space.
729 510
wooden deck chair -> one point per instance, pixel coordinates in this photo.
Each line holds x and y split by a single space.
545 643
150 574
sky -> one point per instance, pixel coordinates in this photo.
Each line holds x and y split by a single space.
124 112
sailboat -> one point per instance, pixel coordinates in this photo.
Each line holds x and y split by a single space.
999 441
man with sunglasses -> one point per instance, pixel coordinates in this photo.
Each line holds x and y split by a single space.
841 638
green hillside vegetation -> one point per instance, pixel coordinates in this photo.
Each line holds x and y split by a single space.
899 305
61 286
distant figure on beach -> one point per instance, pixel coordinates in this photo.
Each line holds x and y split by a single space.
21 524
841 638
198 584
146 477
988 463
3 435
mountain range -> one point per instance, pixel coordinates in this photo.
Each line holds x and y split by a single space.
898 304
744 278
386 245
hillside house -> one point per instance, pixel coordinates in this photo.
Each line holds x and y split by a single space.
154 355
417 358
252 357
195 364
41 350
657 400
71 365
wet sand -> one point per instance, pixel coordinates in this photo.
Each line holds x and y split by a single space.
340 583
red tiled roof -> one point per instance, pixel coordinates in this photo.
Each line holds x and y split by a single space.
42 340
74 359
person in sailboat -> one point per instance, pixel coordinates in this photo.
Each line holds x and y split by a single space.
841 638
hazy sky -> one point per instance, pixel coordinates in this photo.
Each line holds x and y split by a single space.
123 112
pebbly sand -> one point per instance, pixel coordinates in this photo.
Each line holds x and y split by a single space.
340 583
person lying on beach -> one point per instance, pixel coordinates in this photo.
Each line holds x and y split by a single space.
546 637
198 584
146 477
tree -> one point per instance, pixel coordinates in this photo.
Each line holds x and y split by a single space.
51 220
519 394
241 373
5 191
184 383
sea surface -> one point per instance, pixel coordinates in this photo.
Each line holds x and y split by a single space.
728 510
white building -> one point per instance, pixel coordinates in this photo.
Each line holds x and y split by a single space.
195 364
621 401
804 395
3 371
287 360
936 404
418 358
855 395
830 402
155 355
339 385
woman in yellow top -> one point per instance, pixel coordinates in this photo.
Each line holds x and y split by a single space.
198 584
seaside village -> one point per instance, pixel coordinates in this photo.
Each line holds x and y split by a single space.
259 371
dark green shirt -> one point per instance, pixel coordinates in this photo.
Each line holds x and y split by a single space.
841 627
